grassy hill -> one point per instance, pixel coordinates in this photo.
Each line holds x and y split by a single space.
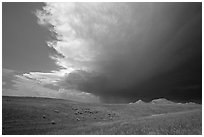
30 115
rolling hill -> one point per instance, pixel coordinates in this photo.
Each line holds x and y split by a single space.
32 115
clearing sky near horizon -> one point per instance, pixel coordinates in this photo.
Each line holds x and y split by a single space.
103 52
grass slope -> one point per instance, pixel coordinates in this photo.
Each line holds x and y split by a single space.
27 115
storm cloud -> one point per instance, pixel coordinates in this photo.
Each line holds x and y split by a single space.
128 50
122 52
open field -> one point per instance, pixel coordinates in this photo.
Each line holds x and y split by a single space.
27 115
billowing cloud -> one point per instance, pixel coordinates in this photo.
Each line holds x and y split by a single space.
115 52
109 49
119 46
40 85
82 30
47 78
26 87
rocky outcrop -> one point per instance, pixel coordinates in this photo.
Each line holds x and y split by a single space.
161 101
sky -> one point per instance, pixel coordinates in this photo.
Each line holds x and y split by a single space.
103 52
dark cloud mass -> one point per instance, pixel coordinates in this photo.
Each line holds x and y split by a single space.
160 58
103 52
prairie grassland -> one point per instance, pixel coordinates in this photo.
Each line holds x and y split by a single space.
23 115
186 123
